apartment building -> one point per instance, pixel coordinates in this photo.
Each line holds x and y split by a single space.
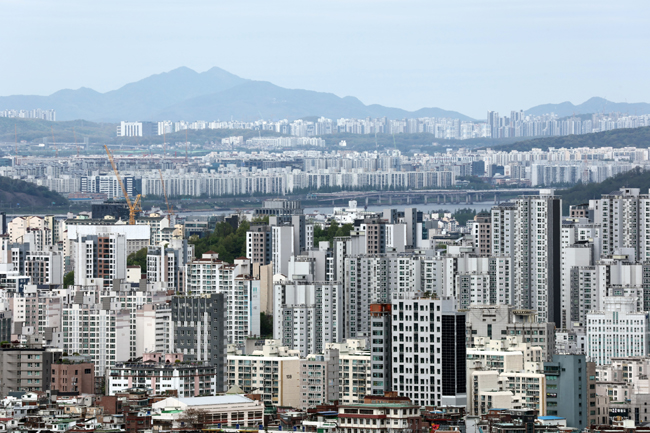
482 233
379 417
26 368
355 367
189 380
199 331
503 229
503 321
505 374
428 351
618 330
153 329
273 372
375 230
571 389
258 243
381 331
100 257
97 329
537 255
319 379
308 315
44 267
167 265
208 275
73 374
622 218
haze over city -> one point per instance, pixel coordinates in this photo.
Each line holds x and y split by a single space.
468 57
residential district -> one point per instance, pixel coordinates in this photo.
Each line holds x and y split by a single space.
524 319
518 124
226 172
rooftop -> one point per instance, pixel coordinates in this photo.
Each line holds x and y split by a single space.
218 399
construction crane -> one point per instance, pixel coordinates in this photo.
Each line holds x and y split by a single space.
170 209
134 207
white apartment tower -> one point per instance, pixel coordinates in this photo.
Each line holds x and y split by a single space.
428 351
537 255
624 223
308 315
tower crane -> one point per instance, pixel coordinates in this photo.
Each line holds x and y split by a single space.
170 209
134 207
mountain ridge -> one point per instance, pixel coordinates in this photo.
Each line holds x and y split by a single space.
185 94
594 104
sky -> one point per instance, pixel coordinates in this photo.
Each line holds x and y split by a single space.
465 55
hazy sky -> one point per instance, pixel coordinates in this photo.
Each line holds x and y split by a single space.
465 55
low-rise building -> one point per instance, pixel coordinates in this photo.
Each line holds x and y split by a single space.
273 372
188 379
379 417
26 368
227 410
73 375
354 370
319 379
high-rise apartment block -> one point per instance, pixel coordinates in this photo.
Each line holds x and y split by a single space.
537 255
429 351
199 325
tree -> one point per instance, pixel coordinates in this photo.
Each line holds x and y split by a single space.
261 219
266 325
139 258
333 231
193 418
68 280
224 240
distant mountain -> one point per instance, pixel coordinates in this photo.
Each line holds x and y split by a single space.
214 94
253 100
134 101
616 138
593 105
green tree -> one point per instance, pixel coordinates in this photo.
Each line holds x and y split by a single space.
333 231
139 258
68 280
266 325
228 242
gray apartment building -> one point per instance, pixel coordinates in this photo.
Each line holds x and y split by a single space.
26 368
199 331
571 390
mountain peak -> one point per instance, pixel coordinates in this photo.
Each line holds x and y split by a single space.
183 93
594 104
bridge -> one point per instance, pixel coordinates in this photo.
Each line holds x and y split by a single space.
423 195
